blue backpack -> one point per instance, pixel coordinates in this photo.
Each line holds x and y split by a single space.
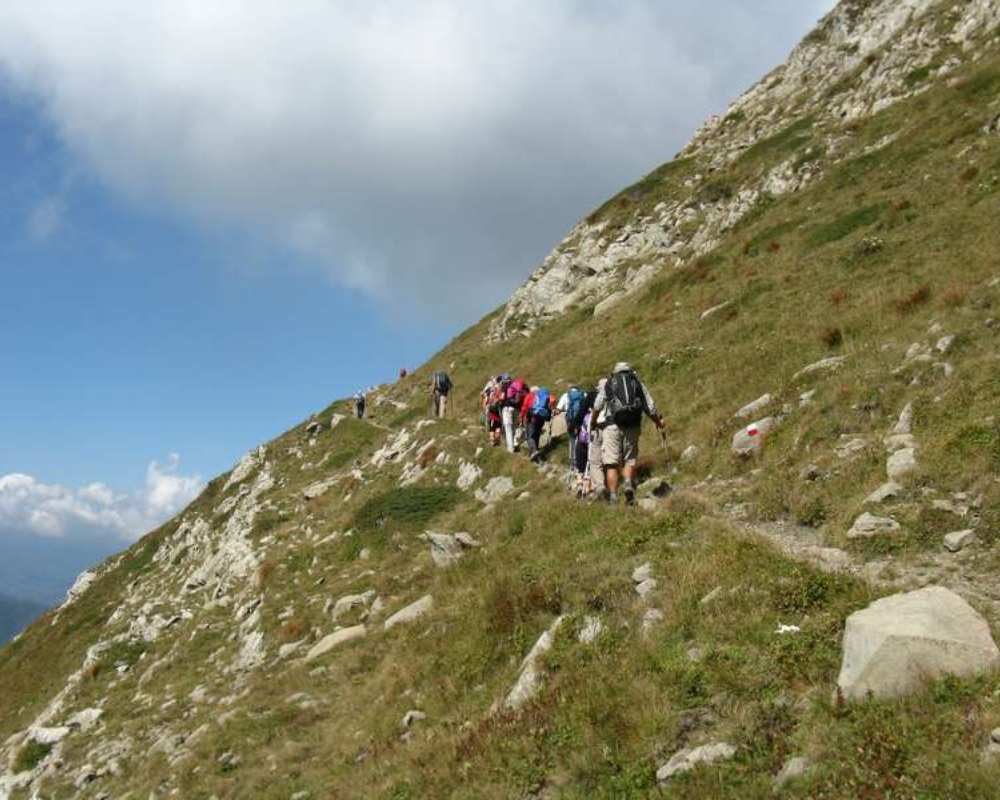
540 406
577 408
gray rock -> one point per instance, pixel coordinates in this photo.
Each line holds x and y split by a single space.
687 759
318 489
468 474
495 489
823 365
886 491
333 640
349 602
795 767
447 548
711 596
850 446
904 425
645 588
642 573
901 463
650 619
752 408
592 628
868 525
86 719
944 343
749 439
995 735
690 453
52 735
530 678
412 716
711 312
900 441
896 644
411 612
956 540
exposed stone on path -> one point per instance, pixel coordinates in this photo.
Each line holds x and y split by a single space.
447 548
468 474
690 452
350 602
642 573
901 463
957 540
749 439
687 759
650 619
869 525
318 489
823 365
411 612
328 643
794 767
414 715
896 644
886 491
592 628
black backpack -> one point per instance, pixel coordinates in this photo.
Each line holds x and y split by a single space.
442 383
626 401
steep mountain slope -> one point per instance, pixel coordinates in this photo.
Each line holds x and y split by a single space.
829 247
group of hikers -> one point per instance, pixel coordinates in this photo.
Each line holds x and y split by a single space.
603 424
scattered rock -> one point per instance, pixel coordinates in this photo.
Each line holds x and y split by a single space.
886 491
956 540
85 720
904 425
687 759
868 525
411 612
642 573
468 474
314 427
591 629
365 554
650 619
318 489
690 453
49 736
529 681
329 642
750 409
795 767
446 548
806 398
350 602
646 587
850 446
944 343
495 489
901 463
412 716
896 644
750 438
711 596
831 363
715 310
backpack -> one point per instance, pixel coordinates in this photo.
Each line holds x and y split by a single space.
576 409
516 393
540 406
496 399
626 401
442 383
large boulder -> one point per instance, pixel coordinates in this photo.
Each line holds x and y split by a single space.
749 439
896 644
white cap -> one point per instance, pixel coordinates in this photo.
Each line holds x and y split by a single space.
622 366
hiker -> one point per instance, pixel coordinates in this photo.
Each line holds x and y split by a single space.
440 387
514 398
494 397
359 404
536 411
597 421
581 459
625 400
402 373
573 403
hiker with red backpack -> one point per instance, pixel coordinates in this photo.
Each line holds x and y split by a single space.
515 393
624 400
536 412
493 405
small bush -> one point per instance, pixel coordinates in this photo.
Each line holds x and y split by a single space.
846 225
30 756
912 301
832 337
516 524
408 506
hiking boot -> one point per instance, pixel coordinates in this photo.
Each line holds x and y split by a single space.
535 456
613 498
629 496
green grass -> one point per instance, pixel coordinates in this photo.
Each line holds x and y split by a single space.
407 507
30 756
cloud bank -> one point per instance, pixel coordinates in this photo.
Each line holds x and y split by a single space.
425 153
95 511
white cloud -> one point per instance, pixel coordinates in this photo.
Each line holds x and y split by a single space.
422 152
49 510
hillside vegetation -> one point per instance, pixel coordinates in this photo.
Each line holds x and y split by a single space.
196 650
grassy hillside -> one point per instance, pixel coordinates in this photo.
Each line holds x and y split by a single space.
895 244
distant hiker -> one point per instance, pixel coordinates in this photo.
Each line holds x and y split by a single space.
573 403
581 458
515 393
493 405
402 373
536 412
440 387
625 399
359 404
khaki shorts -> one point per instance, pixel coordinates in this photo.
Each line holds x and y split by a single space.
620 446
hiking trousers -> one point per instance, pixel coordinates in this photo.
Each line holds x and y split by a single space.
440 404
595 459
535 427
507 416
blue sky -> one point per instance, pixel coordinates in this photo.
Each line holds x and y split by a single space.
216 218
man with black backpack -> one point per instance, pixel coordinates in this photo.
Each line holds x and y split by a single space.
440 386
624 400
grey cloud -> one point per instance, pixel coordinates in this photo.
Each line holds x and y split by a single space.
415 151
